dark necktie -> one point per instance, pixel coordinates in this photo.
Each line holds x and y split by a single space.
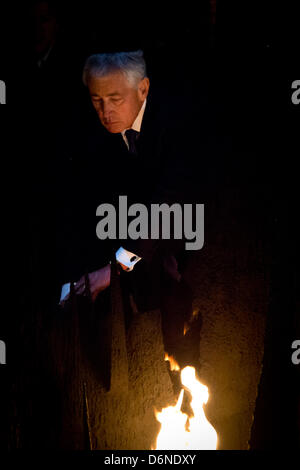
132 136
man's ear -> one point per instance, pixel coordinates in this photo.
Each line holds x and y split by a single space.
143 88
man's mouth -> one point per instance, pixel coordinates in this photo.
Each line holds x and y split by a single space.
113 126
110 123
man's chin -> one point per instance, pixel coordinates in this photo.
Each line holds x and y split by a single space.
114 128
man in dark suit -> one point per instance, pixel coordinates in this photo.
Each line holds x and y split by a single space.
138 149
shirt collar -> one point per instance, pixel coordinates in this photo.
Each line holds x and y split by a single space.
136 126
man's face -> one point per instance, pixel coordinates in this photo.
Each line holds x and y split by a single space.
116 101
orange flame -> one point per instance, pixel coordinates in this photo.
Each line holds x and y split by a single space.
195 313
188 324
178 431
173 364
186 328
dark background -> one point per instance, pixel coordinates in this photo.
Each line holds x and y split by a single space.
245 57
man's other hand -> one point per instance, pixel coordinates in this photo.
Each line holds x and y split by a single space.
98 281
125 268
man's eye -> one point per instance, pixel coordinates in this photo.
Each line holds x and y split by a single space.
117 100
97 103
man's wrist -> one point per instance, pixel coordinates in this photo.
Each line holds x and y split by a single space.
127 258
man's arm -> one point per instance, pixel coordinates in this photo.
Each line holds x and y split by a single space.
100 279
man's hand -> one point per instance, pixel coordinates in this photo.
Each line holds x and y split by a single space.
125 268
98 281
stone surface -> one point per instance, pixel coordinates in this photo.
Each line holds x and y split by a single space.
231 287
108 375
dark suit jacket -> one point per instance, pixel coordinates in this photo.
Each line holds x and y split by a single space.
177 162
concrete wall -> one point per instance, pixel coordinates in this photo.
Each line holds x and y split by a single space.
108 377
230 278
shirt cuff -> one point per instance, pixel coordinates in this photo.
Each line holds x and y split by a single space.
127 258
65 290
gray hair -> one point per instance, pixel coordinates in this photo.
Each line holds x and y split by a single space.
131 64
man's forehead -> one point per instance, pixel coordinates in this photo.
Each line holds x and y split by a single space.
113 83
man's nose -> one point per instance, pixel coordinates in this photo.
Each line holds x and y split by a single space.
106 110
